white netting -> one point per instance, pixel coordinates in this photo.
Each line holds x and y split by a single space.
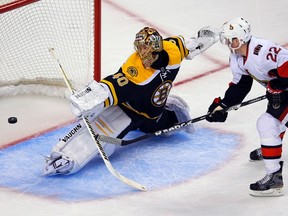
29 31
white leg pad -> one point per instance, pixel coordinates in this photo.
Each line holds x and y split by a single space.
78 145
181 109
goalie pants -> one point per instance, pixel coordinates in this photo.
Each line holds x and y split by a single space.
167 119
271 128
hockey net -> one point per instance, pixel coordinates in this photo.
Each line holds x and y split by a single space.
29 28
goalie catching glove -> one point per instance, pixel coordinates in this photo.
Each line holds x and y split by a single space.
215 111
205 38
89 101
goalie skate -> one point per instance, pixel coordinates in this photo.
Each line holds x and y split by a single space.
57 165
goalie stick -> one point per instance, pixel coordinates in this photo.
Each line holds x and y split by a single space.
122 142
95 136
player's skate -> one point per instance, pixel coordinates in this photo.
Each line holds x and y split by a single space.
256 155
57 164
270 185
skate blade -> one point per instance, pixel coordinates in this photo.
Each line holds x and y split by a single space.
250 160
267 193
46 174
49 173
49 170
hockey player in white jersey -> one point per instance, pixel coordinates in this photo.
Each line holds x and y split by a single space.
261 60
134 97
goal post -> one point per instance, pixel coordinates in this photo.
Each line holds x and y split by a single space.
29 28
7 5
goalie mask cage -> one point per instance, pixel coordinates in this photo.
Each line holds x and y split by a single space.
29 28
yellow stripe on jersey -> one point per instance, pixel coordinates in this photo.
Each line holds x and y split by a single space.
135 71
175 55
140 113
179 43
107 103
113 93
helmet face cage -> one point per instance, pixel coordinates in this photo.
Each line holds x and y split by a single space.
147 43
236 28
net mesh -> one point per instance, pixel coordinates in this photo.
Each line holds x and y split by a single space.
29 31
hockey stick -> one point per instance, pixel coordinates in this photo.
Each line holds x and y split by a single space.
122 142
95 136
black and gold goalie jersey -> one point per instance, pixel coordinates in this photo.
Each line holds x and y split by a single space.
144 91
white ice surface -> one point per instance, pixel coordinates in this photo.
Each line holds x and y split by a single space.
221 192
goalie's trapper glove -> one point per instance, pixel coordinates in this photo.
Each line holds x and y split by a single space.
275 94
205 38
215 111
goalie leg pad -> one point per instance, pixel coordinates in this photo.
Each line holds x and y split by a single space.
70 156
57 164
181 109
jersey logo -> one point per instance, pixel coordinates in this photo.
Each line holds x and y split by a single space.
161 93
132 71
164 72
257 49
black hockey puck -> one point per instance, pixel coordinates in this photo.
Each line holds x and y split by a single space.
12 120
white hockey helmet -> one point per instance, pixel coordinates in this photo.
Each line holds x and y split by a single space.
235 28
148 42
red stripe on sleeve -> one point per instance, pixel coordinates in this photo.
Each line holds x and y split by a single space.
283 70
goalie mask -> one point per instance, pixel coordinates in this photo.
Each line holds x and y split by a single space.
148 43
237 28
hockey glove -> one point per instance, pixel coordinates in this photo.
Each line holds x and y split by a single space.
205 38
274 94
215 111
88 100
